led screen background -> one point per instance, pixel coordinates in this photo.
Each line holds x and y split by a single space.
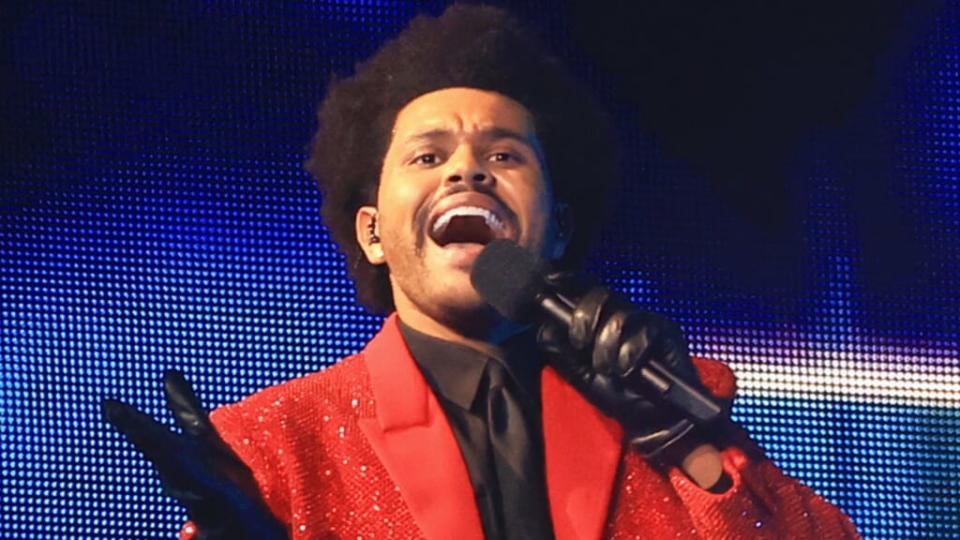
157 215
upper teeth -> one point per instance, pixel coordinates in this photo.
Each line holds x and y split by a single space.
491 219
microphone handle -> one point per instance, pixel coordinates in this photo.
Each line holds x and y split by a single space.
696 406
557 306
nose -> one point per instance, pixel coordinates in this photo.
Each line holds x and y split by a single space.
477 177
464 167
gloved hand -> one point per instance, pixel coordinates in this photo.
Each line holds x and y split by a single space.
623 340
197 467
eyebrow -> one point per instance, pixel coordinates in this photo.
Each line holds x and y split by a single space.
494 133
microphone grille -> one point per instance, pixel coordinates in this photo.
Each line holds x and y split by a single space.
509 278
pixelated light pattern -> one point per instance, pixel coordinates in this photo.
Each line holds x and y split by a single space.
180 231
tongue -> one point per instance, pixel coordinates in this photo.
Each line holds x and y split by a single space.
466 230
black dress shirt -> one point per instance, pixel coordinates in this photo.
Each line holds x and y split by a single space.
459 376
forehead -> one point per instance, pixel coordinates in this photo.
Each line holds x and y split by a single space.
462 110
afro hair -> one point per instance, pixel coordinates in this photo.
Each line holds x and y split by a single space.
472 46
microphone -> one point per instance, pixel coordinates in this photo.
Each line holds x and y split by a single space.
511 280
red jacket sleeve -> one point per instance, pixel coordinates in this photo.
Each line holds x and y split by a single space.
763 502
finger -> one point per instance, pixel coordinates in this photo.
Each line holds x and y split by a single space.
192 418
675 357
586 315
150 437
635 347
187 409
606 349
184 465
552 338
670 347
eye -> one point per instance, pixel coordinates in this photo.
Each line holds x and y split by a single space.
426 158
504 157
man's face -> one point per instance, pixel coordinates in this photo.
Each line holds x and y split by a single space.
463 167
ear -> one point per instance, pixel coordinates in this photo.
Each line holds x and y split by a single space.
562 229
367 229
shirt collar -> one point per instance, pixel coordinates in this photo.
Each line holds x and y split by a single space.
455 371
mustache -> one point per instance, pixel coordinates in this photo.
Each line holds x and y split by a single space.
422 215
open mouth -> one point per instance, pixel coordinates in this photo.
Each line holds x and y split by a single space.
467 225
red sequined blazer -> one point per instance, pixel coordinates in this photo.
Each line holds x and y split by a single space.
363 450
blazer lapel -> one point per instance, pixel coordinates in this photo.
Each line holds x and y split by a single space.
583 450
415 443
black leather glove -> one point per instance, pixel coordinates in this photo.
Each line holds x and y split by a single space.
609 342
197 467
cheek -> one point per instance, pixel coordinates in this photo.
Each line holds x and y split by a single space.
400 202
535 203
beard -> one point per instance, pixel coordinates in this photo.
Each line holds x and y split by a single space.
445 296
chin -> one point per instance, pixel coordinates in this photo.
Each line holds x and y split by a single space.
463 298
461 307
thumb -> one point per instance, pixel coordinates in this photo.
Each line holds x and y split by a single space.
552 338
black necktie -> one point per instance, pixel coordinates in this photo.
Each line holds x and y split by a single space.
516 468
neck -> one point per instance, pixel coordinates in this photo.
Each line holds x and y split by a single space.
484 332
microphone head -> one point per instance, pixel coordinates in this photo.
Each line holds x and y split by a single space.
509 278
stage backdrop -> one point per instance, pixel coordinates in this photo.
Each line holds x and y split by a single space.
791 196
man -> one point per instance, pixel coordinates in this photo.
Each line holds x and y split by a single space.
449 424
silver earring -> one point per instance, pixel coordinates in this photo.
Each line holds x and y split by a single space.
371 229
